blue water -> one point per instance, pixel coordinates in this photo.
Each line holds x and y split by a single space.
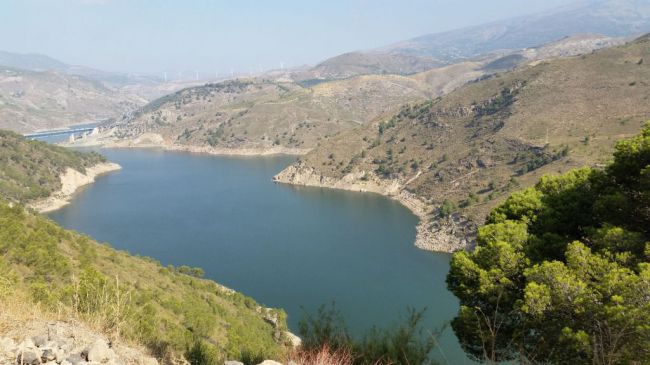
285 246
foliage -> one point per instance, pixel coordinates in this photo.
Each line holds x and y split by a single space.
561 272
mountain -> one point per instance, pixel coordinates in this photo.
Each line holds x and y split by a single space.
31 61
261 115
37 100
452 158
610 18
277 114
615 18
39 63
360 63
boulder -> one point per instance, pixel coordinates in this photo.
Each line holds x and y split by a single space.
40 340
29 356
269 362
75 359
48 355
293 339
99 352
231 362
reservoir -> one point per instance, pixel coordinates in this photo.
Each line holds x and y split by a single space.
290 247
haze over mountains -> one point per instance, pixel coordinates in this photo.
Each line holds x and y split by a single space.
614 18
435 64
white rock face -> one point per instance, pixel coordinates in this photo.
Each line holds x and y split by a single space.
72 180
61 343
269 362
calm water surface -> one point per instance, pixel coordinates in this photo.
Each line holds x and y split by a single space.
289 247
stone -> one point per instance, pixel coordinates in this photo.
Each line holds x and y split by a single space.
293 339
75 359
29 357
59 355
231 362
48 355
40 340
99 352
269 362
65 362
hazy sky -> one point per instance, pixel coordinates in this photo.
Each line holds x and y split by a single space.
152 36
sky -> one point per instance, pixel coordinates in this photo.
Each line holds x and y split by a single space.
243 35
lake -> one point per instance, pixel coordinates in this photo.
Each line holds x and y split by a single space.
290 247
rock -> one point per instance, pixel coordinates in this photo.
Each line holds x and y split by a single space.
29 357
48 355
99 352
293 339
60 355
40 340
269 362
231 362
75 359
66 362
291 362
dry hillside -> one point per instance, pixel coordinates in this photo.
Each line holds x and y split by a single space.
465 151
31 100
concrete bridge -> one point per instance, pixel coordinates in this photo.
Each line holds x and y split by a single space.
59 132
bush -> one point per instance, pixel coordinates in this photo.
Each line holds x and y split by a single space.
403 344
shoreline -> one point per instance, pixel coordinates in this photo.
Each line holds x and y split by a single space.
71 181
444 237
156 141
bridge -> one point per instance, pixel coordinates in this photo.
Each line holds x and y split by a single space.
59 132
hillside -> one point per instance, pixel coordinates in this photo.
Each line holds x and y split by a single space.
363 63
37 100
614 18
31 170
69 276
262 115
609 18
279 115
453 158
169 310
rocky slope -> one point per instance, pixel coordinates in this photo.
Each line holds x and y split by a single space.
38 100
279 115
363 63
613 18
31 171
460 154
71 180
67 276
65 343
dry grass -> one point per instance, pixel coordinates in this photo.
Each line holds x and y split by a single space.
324 356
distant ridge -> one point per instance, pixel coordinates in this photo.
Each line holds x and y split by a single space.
615 18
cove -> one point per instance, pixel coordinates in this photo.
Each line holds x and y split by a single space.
289 247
